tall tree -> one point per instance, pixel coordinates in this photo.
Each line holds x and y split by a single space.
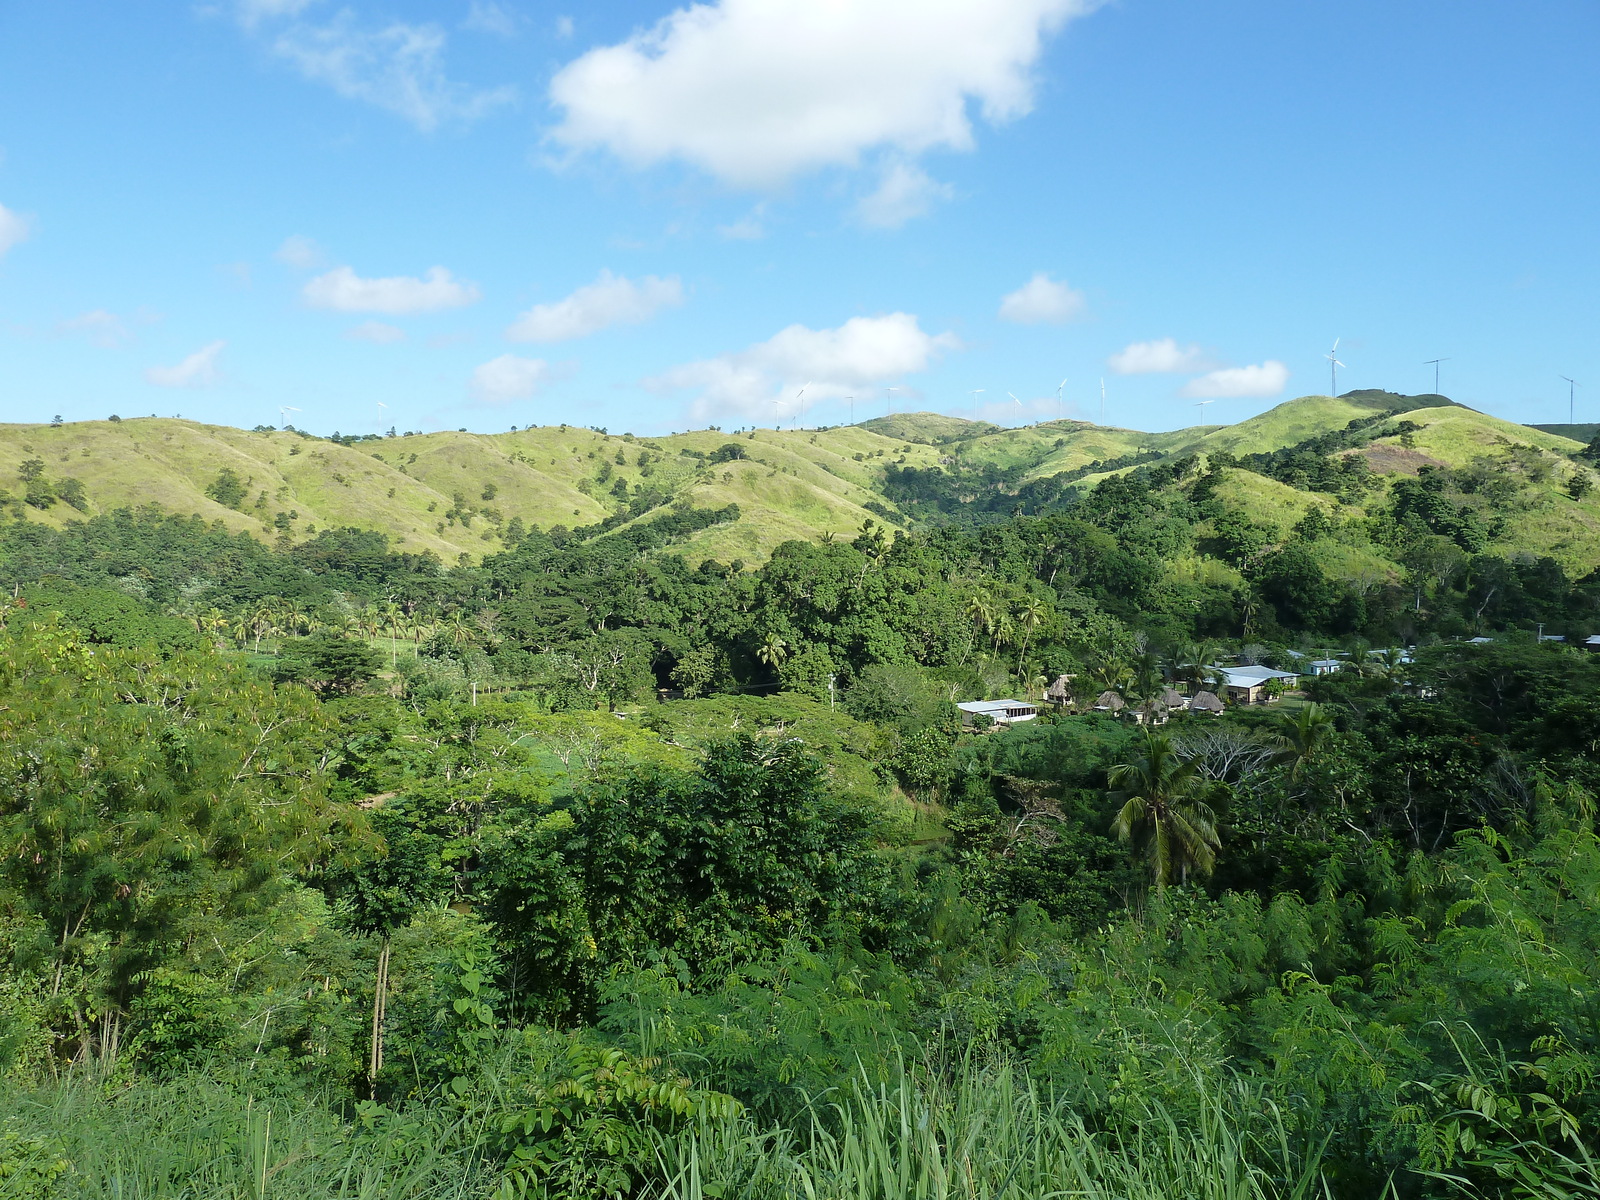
1162 811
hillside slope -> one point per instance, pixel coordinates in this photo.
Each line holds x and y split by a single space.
457 494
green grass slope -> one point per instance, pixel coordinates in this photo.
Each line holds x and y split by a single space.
794 483
929 428
454 493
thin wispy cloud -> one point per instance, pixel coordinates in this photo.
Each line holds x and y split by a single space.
14 228
508 378
199 370
609 300
376 332
99 327
397 66
487 16
904 191
300 252
342 290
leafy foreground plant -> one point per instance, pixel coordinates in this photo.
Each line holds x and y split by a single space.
194 1139
990 1135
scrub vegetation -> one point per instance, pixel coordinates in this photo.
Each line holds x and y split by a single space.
610 860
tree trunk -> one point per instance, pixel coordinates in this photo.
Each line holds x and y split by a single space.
379 996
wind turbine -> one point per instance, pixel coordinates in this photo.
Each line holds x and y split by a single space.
1203 403
888 401
1572 388
1434 363
975 393
1017 402
283 413
1102 401
381 407
801 411
852 400
1333 367
1059 386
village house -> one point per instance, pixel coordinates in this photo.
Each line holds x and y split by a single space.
1249 685
1001 712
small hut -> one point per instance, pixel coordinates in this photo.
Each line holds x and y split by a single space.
1206 702
1173 700
1151 712
1060 692
1110 702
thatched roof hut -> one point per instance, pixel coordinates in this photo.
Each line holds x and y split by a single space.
1174 699
1109 701
1206 702
1060 692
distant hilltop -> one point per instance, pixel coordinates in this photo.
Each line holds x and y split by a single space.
457 493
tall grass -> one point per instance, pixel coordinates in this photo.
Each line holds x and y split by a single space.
197 1139
991 1135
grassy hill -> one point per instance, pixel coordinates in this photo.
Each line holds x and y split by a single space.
457 493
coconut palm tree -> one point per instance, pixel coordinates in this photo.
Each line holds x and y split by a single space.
458 628
1301 735
393 618
773 650
1163 812
1029 617
980 611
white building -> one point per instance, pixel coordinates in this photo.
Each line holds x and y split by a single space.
1001 712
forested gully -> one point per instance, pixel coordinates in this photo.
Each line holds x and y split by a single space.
586 871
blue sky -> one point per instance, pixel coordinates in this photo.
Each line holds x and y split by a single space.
651 218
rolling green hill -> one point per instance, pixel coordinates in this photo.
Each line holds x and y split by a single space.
459 493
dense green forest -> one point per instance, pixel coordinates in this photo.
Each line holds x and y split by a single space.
590 869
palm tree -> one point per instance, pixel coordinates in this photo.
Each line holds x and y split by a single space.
1301 735
1194 665
263 621
980 610
1163 812
1030 616
393 618
773 650
458 627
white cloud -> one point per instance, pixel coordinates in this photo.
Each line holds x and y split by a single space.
609 300
342 290
507 378
300 252
488 16
252 12
14 228
197 371
376 332
761 381
904 192
102 328
748 228
1042 301
1161 356
398 67
758 91
1267 379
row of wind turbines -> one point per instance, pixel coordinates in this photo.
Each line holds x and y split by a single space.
1333 379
